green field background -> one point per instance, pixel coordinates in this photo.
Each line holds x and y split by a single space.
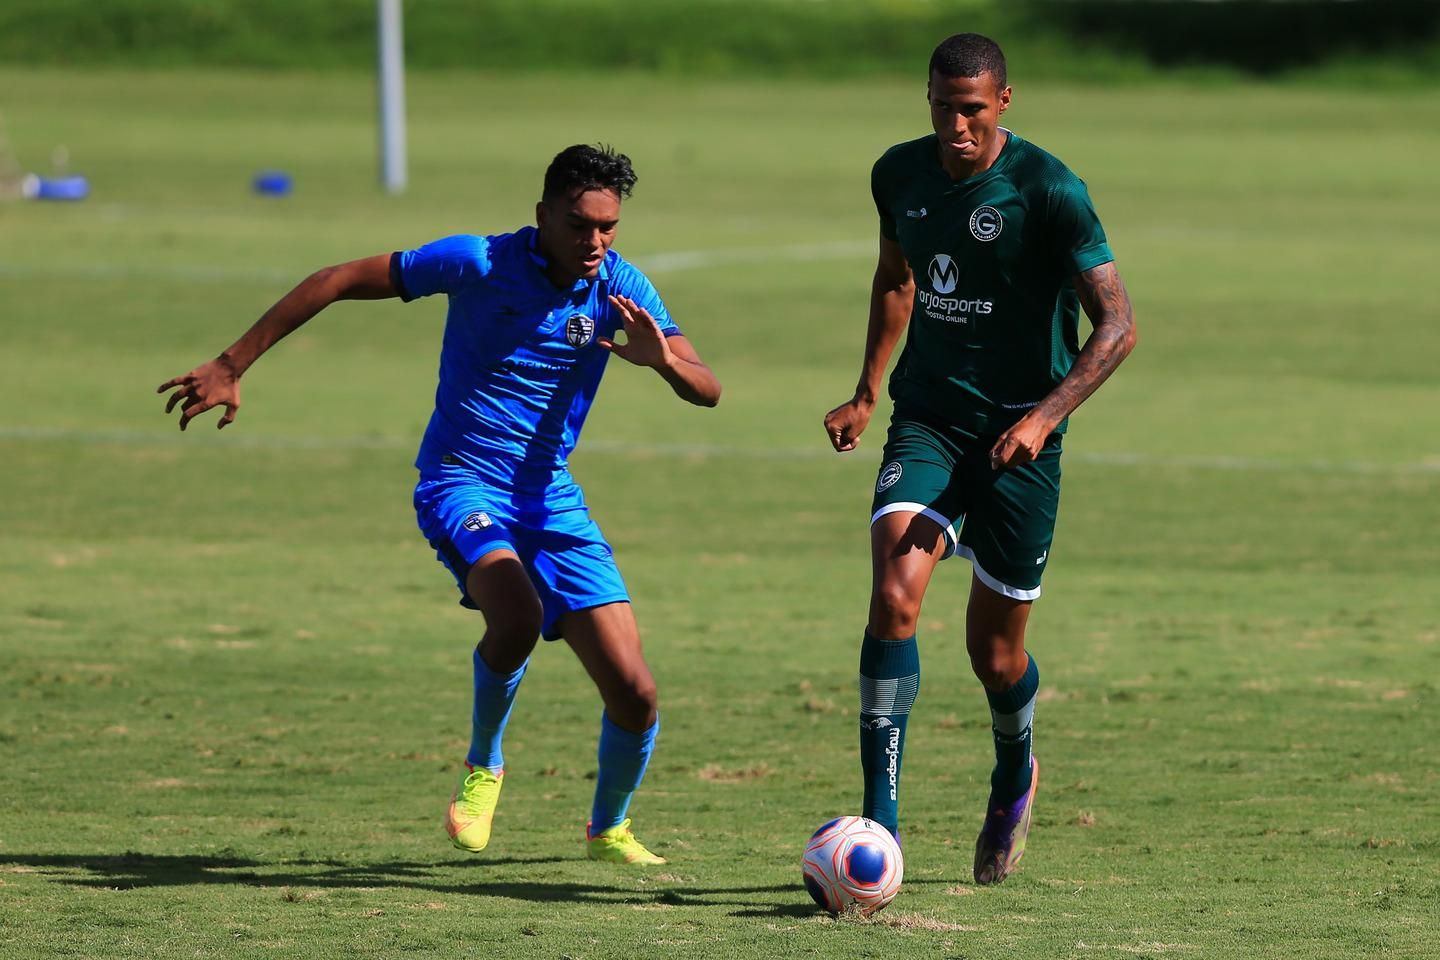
1382 43
234 684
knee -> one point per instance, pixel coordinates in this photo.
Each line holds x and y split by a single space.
990 670
893 612
635 703
515 626
998 668
642 695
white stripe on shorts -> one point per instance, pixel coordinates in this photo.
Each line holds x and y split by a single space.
955 548
1014 593
924 511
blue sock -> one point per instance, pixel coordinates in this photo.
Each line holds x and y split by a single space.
1010 715
494 696
889 681
623 758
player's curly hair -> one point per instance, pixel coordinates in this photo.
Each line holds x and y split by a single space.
969 55
583 167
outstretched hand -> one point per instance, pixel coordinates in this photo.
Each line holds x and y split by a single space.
213 384
645 345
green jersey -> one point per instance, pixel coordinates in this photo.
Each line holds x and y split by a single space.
995 325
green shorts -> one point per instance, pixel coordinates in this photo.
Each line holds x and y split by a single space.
1005 519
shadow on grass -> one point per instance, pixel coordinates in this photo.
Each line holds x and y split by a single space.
791 910
132 871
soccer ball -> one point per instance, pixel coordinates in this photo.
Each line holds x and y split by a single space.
852 865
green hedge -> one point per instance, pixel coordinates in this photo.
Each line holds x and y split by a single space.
711 36
1258 36
1045 38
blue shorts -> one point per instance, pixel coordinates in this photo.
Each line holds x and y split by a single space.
562 549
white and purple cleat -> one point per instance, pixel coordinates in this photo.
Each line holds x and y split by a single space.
1001 843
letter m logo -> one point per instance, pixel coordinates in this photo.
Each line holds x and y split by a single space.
944 275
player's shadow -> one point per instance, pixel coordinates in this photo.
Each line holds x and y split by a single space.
779 910
922 533
803 907
129 871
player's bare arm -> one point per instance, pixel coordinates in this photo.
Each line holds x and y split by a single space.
217 383
1103 297
892 294
672 357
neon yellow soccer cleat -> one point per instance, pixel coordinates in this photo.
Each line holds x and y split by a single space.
472 808
618 845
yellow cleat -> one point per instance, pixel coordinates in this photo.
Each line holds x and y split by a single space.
472 808
618 845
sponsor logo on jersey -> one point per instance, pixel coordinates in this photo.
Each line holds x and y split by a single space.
943 273
476 521
952 309
579 329
986 223
916 214
889 476
944 276
523 365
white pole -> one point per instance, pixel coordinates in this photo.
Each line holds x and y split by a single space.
391 78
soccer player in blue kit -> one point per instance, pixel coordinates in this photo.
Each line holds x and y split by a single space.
532 320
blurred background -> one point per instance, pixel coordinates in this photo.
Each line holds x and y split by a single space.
1046 39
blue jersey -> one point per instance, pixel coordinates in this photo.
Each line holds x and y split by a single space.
519 366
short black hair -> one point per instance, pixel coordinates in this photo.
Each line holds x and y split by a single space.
969 55
583 167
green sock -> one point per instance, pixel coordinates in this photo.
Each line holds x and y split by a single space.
889 681
1010 718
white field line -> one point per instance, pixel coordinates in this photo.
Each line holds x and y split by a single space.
149 271
656 264
205 435
661 263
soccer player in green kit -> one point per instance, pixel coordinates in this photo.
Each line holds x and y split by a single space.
989 249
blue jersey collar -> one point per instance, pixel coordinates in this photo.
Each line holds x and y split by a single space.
536 257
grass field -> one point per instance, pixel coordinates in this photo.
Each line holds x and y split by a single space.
234 685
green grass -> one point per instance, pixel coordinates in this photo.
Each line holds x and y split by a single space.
234 683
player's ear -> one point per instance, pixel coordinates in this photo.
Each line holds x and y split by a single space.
1004 99
540 213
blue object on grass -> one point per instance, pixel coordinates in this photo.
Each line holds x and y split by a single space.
273 183
57 188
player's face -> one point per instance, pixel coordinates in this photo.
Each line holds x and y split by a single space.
576 232
965 112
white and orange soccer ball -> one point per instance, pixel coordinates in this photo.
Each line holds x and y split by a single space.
852 865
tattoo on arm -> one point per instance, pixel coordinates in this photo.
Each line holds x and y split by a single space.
1102 294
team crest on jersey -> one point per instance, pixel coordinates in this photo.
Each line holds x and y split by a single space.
579 329
476 521
889 476
985 223
943 273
